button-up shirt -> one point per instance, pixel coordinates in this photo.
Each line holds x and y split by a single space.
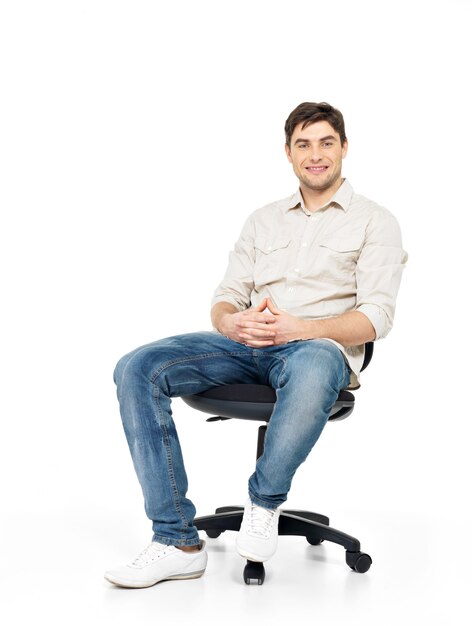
345 256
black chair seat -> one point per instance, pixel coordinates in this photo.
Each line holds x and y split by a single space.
253 402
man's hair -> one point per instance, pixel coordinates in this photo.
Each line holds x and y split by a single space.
310 112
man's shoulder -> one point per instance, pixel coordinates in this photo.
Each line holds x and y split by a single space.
362 204
281 205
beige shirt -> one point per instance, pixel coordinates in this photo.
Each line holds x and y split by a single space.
345 256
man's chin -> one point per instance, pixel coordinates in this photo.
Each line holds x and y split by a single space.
319 185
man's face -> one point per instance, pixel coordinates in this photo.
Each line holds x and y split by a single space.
316 154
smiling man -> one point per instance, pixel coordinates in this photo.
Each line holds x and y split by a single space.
311 279
316 155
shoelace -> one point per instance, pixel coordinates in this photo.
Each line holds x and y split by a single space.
260 521
153 551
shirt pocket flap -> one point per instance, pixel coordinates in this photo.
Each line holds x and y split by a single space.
267 246
342 244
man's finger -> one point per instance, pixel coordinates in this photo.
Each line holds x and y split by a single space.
264 318
255 333
256 325
258 344
261 306
272 308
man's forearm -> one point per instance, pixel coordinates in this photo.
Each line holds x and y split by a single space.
349 329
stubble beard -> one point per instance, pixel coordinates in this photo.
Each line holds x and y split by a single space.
322 185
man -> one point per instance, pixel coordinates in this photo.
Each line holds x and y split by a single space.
311 279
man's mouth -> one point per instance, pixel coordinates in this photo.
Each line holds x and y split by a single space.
317 169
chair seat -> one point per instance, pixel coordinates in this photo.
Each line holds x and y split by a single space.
253 402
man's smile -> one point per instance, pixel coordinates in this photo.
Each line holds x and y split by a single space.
316 169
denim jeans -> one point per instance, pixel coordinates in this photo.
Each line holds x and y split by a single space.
307 377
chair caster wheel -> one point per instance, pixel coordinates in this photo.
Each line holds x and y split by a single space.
314 541
358 561
254 571
213 534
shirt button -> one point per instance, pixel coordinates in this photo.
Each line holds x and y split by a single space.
304 244
297 269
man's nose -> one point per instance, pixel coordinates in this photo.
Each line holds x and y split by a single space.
315 154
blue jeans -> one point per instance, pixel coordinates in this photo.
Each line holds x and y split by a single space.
307 376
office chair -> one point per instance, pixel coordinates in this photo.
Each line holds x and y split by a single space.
256 402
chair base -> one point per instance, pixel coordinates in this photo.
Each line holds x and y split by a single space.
313 526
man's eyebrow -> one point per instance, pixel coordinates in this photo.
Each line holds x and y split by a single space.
301 140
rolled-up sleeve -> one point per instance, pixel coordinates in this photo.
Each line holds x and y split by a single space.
238 281
379 270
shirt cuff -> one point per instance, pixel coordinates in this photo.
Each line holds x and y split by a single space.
377 317
229 300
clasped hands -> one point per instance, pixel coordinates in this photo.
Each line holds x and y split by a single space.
262 326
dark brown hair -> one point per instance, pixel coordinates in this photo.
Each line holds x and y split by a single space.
309 112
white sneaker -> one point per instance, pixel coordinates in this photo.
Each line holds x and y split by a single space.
258 536
159 562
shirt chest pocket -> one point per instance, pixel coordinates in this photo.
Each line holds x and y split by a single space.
271 259
336 258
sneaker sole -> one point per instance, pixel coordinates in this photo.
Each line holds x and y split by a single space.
250 556
130 584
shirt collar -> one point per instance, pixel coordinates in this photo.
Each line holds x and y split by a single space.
341 198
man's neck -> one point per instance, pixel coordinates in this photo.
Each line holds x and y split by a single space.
315 199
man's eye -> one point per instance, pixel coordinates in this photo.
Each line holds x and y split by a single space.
327 144
302 145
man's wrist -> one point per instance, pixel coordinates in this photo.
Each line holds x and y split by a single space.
302 331
219 313
307 329
221 327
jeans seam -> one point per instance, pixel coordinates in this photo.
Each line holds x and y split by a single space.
170 465
155 374
345 374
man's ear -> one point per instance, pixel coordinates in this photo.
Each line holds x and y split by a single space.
344 148
288 153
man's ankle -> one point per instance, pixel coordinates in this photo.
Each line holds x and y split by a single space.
190 548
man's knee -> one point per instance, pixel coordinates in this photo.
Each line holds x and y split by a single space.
317 362
120 368
149 359
139 362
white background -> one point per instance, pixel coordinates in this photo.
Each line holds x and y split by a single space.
136 137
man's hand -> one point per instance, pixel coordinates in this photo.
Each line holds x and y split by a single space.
261 326
286 327
252 327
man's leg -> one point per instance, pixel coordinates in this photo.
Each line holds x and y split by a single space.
146 380
308 376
